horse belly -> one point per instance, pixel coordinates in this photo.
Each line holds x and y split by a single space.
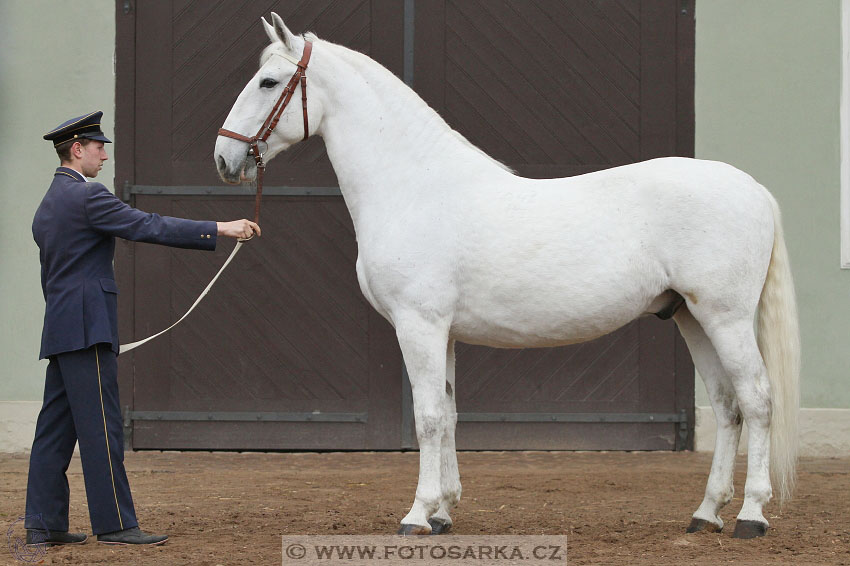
524 314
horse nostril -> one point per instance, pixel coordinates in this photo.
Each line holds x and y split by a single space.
222 166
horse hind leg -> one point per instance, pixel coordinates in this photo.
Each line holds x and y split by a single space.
736 346
423 345
719 488
441 521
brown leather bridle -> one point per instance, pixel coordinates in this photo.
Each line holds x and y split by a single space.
271 121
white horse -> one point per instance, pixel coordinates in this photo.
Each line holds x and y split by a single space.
454 247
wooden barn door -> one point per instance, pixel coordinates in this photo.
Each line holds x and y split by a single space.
285 353
555 89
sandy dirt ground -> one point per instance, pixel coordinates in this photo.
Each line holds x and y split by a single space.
615 508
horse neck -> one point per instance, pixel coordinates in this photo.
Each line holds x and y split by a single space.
386 143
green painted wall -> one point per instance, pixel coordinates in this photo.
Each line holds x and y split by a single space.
56 62
768 78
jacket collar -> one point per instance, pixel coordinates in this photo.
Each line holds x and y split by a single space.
77 176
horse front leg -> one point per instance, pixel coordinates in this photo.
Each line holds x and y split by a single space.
423 345
441 521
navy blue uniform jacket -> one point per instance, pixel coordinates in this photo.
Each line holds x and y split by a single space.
75 228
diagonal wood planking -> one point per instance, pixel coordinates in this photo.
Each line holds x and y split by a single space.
529 380
548 80
549 87
314 348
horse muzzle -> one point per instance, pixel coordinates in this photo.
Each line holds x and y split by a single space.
235 171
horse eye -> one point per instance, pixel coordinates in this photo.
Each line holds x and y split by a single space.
268 83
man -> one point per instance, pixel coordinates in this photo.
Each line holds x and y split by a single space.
75 228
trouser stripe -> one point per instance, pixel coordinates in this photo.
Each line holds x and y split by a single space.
106 433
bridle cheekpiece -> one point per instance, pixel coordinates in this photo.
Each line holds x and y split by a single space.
273 118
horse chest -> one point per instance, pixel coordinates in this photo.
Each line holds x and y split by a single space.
395 276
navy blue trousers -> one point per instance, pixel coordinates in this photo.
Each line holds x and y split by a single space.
80 403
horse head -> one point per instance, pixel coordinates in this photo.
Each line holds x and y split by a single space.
262 118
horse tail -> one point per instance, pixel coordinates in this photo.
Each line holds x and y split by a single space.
779 343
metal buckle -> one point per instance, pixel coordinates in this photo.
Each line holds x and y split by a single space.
258 157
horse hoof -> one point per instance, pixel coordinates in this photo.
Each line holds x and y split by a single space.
413 530
703 525
749 529
439 527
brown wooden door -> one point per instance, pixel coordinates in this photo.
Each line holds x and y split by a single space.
555 89
285 353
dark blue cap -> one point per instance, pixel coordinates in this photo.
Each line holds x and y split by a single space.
87 126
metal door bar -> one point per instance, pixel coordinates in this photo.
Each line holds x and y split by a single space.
193 190
572 417
244 416
408 433
234 416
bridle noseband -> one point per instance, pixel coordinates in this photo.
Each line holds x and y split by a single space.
271 121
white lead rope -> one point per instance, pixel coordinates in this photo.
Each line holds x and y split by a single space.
127 347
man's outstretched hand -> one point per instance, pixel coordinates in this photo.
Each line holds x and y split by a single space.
242 229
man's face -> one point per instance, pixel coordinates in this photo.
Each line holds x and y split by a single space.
92 156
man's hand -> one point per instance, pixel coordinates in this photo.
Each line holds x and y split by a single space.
242 229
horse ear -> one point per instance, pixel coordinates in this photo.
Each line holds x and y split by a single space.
269 31
282 33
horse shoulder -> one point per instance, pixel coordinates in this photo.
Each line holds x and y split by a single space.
408 263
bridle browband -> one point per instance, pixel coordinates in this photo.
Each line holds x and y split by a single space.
271 121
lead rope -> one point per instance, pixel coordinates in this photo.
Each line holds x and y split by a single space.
261 167
123 348
133 345
266 130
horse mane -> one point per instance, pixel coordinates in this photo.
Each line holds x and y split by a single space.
361 61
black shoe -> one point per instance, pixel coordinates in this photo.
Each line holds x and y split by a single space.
131 536
39 536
